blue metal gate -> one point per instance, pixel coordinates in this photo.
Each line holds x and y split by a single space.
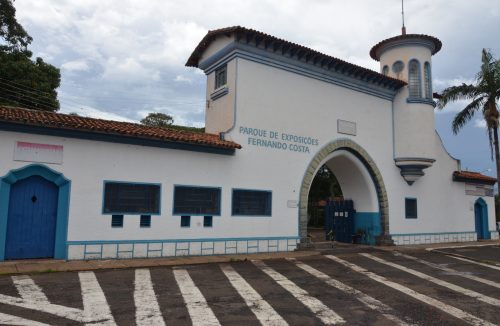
31 222
339 220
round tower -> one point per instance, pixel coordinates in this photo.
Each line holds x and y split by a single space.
408 57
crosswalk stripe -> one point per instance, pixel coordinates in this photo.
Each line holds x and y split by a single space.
456 288
327 316
197 306
28 290
475 262
458 313
147 310
95 306
18 321
262 310
450 270
367 300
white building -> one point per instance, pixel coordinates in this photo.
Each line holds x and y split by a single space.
82 188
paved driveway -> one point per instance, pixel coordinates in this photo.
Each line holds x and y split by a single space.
343 286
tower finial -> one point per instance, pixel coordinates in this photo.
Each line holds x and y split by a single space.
403 29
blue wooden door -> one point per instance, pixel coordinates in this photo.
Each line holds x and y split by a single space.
481 218
32 217
479 221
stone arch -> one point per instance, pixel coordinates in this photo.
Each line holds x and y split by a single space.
364 157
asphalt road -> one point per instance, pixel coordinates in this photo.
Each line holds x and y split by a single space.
490 254
342 286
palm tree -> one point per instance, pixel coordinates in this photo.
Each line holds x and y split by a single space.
484 95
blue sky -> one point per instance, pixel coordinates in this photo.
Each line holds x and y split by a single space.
121 59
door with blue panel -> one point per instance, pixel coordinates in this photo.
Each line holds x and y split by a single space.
32 217
481 219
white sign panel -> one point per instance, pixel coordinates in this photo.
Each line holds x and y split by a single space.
292 203
346 127
40 153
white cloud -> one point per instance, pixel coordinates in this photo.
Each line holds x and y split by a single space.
183 79
87 111
77 65
111 49
480 123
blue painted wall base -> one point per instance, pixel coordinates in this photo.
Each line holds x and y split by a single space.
368 225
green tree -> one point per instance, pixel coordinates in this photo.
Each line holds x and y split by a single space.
323 187
157 119
24 82
483 95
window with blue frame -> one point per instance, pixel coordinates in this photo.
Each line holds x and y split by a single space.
116 221
145 221
131 198
221 77
185 221
207 221
411 207
193 200
428 80
252 202
414 80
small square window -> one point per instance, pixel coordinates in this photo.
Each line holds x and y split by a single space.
411 207
221 77
145 221
116 221
185 221
207 221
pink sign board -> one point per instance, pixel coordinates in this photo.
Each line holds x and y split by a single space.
41 153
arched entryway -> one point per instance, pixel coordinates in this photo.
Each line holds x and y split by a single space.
481 219
34 204
360 180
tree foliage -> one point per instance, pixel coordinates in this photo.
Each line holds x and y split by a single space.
162 120
483 96
324 186
24 82
157 119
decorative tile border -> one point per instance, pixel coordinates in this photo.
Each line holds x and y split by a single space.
494 235
427 238
84 250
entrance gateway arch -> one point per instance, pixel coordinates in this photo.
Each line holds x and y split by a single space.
364 184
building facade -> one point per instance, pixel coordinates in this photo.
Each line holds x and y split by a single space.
276 112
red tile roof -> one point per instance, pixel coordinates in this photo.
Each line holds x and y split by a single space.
436 43
469 176
51 120
247 33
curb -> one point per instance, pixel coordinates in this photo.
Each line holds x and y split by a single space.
51 266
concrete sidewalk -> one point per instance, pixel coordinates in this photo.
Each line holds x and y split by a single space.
54 265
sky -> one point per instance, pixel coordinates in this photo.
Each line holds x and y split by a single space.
122 59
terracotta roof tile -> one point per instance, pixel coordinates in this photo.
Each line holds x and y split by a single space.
195 56
435 41
473 176
53 120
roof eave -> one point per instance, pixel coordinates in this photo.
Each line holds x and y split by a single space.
115 138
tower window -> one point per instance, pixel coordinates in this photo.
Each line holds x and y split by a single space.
428 80
398 66
411 207
385 70
414 81
221 77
